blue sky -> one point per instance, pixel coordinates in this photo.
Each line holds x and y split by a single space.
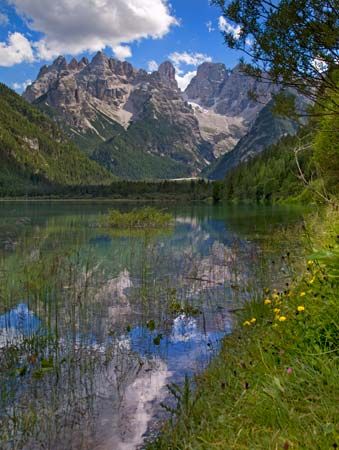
144 32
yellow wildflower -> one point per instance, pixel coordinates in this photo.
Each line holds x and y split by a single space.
301 308
310 263
312 281
267 301
246 323
253 320
282 319
275 297
276 310
302 294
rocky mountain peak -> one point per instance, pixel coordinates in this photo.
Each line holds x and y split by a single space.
60 64
121 68
73 65
166 72
44 69
100 59
207 84
83 62
214 72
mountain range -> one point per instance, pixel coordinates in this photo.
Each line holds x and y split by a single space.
140 125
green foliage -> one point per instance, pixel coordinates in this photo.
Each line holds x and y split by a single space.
217 191
121 156
35 155
290 40
271 176
178 191
326 251
326 147
144 218
274 384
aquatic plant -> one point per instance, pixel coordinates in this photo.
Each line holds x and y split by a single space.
142 218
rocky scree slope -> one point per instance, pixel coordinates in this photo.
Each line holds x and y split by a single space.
267 130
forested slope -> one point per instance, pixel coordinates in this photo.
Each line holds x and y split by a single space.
34 153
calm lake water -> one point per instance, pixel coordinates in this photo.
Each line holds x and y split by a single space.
95 323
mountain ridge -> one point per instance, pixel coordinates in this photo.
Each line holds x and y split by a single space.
109 108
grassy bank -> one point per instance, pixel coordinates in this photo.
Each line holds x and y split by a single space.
274 384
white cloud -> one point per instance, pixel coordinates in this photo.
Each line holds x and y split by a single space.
184 80
20 87
152 66
227 27
18 49
190 59
3 19
122 52
186 59
75 26
210 26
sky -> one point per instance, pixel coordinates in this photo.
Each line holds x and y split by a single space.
143 32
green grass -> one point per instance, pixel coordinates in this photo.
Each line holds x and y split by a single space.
144 218
275 383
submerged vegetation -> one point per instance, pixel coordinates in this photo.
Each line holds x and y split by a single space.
142 218
274 384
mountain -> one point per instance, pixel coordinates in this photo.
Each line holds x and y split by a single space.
222 104
34 152
140 125
266 130
111 108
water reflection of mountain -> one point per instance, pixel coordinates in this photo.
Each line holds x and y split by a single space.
109 320
125 389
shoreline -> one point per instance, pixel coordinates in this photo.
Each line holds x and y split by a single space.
97 199
273 384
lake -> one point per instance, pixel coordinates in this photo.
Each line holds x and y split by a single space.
96 324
